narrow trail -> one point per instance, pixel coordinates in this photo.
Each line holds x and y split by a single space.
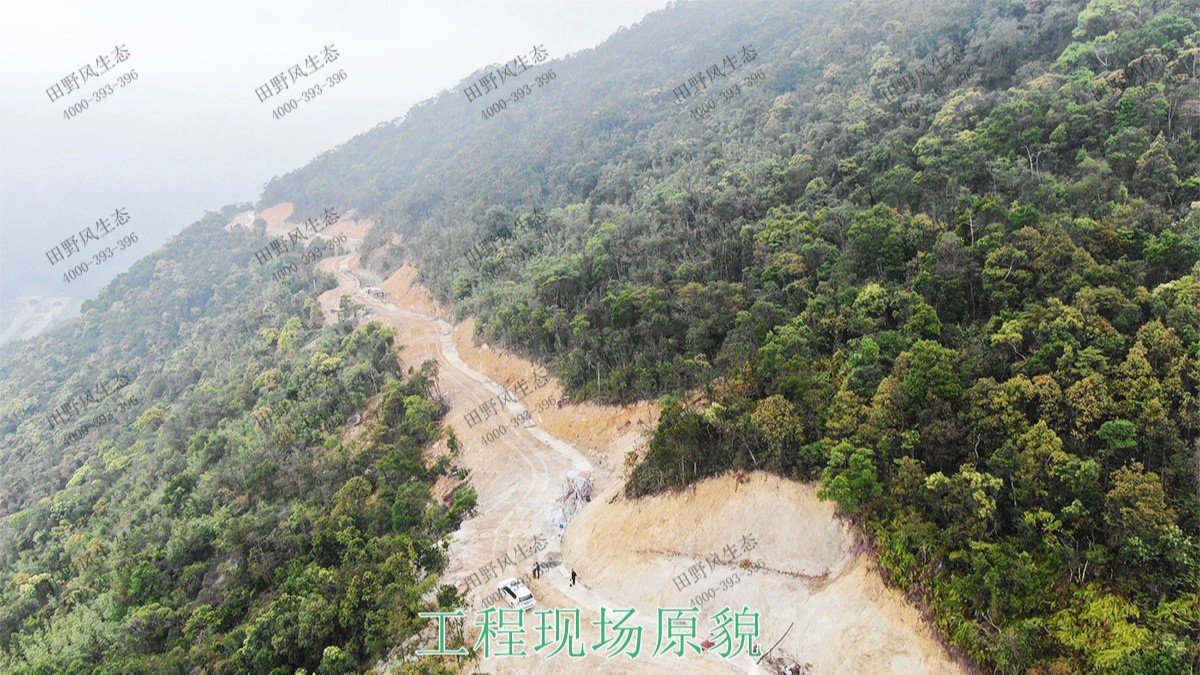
629 553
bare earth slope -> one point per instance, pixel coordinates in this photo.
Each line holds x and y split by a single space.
638 554
846 620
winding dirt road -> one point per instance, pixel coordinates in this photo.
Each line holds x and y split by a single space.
817 586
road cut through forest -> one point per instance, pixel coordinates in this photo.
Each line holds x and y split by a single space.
810 580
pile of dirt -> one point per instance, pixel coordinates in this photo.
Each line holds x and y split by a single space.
403 291
353 229
277 215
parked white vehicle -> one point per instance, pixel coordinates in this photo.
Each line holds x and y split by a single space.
516 593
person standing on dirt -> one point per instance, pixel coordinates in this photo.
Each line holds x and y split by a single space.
572 576
537 569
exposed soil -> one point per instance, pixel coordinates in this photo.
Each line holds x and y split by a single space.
815 578
277 214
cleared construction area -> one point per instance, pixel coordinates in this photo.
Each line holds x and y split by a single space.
557 477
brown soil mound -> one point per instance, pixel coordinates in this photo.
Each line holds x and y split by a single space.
277 215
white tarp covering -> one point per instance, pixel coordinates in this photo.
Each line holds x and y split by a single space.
575 494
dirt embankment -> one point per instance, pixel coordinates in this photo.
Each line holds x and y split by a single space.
814 575
649 554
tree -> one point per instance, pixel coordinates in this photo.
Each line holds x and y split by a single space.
877 238
1118 434
1102 628
335 661
409 507
1156 176
967 502
777 419
1039 451
291 335
1136 506
347 309
850 478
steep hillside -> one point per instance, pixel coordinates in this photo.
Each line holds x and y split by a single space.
943 256
202 504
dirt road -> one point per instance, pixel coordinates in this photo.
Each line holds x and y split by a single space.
651 554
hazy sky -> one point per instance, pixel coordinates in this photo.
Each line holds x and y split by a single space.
190 134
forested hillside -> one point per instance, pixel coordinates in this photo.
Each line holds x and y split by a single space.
221 521
943 256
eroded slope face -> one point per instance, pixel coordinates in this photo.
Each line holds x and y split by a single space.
644 554
845 619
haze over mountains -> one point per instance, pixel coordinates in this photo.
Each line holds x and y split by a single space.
190 134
